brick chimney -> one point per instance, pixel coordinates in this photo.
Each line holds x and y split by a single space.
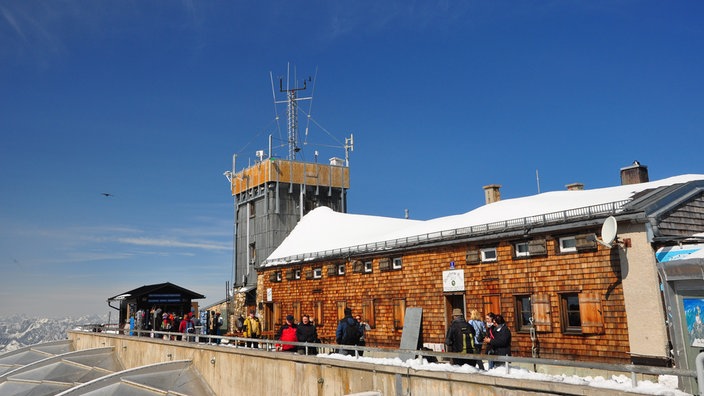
575 187
634 174
492 193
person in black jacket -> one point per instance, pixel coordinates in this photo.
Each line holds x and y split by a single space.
499 339
307 332
347 332
460 338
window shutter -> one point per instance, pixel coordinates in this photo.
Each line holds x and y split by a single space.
473 257
368 312
358 267
585 242
272 277
309 274
332 270
290 274
591 313
385 264
341 305
399 313
536 247
541 312
277 314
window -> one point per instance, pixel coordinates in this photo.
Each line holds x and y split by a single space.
571 321
521 249
581 313
473 256
252 208
317 273
297 273
397 263
368 267
272 316
340 269
399 312
252 253
524 313
568 245
275 276
488 255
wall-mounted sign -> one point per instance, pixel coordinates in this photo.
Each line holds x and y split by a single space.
269 294
453 280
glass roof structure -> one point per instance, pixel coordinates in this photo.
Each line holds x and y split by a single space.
55 368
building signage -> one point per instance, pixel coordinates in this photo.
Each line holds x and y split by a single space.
453 280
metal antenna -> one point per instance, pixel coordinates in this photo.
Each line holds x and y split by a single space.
292 114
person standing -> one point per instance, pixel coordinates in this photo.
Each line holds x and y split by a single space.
306 332
287 332
211 325
347 332
500 339
252 329
460 338
363 328
218 325
479 334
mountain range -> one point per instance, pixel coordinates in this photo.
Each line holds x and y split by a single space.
17 331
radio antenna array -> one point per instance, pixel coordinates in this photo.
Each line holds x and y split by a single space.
291 101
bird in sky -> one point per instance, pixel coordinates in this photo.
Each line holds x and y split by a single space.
107 194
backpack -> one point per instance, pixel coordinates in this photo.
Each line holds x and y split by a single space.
467 339
351 334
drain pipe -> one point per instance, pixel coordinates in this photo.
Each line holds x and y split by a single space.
699 363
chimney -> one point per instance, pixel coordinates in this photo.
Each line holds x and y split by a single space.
634 174
575 187
491 193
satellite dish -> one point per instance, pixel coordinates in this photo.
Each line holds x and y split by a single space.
608 232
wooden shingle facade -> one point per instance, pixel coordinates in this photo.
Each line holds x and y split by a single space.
563 295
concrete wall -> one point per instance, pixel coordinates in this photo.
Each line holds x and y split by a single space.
647 332
237 371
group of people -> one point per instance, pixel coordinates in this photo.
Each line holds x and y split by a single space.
350 331
158 320
472 336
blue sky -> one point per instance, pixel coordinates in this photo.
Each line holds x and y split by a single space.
149 100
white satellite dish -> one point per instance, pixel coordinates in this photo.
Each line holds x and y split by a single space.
608 232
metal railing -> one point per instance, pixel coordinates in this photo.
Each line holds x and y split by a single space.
307 348
545 219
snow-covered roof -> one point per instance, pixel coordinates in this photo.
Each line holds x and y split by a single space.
323 232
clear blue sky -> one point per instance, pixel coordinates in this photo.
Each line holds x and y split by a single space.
149 100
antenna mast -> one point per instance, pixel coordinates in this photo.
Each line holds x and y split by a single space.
292 114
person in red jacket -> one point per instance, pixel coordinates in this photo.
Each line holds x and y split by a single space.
287 332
